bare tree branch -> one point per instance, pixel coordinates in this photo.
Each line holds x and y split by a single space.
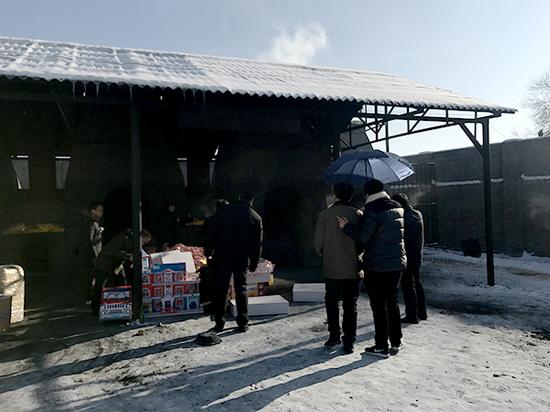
538 100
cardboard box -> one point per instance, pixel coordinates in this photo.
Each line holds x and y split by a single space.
5 312
252 290
145 263
264 305
12 283
170 290
308 292
175 256
116 303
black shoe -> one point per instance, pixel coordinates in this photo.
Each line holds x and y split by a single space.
242 328
394 350
375 351
348 348
217 328
333 341
423 317
409 320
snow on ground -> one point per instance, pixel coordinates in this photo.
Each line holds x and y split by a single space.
481 349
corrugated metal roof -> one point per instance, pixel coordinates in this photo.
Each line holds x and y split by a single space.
37 59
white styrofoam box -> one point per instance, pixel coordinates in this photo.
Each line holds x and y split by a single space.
175 256
264 305
12 283
308 292
257 277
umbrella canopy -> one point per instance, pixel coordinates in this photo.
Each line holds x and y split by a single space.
356 168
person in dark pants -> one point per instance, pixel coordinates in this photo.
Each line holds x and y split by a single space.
340 267
88 246
109 269
208 272
235 246
413 292
380 231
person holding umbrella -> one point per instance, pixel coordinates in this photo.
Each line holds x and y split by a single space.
381 231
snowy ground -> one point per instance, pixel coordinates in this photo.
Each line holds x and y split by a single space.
481 349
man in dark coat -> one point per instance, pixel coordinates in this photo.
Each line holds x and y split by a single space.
208 273
109 269
235 245
413 292
381 233
340 267
168 227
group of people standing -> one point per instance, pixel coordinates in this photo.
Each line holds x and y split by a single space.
383 242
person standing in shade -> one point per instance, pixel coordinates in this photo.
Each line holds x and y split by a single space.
168 227
380 231
340 267
236 244
88 246
413 292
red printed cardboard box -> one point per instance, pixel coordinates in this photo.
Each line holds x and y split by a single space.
170 290
116 303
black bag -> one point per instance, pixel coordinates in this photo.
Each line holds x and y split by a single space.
207 339
471 247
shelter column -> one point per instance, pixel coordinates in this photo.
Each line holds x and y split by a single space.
136 210
488 204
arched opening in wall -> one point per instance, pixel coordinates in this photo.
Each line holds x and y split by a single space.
281 217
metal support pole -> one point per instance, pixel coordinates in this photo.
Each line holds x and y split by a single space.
136 211
488 206
336 146
387 131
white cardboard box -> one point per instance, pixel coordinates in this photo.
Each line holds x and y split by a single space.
308 292
175 256
264 305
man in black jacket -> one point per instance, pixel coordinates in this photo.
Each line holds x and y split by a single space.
235 246
381 232
413 292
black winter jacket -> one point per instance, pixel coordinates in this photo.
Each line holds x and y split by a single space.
380 231
236 235
414 236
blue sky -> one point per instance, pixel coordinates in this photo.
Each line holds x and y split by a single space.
489 49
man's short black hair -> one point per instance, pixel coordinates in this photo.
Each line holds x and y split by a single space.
402 199
146 233
246 194
94 205
343 191
373 186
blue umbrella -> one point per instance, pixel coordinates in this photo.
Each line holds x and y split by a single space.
357 167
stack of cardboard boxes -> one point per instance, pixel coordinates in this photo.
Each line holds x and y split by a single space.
170 284
257 282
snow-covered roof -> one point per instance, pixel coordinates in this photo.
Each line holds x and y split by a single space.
48 60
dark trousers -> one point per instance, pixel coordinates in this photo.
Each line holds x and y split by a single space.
348 290
104 279
382 288
224 270
413 293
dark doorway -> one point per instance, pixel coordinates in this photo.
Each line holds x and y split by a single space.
282 226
